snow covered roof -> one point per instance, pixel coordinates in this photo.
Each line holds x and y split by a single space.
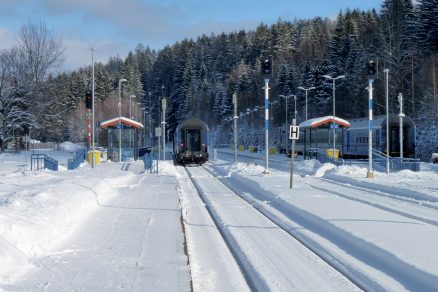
192 122
122 120
316 122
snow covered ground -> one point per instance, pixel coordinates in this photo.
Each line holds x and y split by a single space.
118 228
111 228
384 229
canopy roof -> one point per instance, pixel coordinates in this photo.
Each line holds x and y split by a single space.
122 120
192 123
317 122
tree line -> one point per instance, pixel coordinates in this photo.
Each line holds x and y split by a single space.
198 77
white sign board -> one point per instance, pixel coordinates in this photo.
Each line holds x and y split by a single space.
158 132
294 132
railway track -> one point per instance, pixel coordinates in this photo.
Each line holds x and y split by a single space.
408 207
284 234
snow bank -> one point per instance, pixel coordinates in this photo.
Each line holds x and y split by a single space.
246 167
322 170
40 210
69 146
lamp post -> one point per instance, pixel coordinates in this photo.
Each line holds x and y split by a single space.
92 106
130 105
334 107
401 116
306 89
235 118
136 111
386 71
120 117
286 98
144 125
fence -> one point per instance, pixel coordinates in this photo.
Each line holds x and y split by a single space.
379 161
323 157
41 161
77 160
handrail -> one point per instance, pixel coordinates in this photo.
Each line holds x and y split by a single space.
43 161
77 159
323 157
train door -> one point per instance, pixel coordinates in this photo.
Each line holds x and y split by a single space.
394 140
193 139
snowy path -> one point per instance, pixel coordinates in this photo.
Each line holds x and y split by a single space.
273 259
128 244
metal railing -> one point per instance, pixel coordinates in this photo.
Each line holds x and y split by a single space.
379 161
322 157
397 164
77 160
41 161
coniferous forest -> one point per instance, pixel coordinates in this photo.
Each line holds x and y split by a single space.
198 77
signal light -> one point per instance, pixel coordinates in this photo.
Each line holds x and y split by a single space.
371 69
266 66
88 100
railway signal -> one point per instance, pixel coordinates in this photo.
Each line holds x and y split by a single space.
266 67
88 100
371 70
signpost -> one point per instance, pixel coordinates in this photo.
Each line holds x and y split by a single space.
294 133
235 117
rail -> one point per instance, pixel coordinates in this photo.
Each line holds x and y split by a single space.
41 161
77 160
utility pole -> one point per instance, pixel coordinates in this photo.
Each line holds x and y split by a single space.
164 106
386 71
235 126
401 115
92 106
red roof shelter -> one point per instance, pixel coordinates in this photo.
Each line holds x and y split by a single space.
121 120
318 132
123 136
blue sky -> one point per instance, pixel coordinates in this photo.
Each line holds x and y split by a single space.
113 27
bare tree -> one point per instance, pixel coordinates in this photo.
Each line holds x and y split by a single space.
42 51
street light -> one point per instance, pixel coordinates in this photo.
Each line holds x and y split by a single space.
306 89
92 106
286 98
130 105
144 125
334 107
386 71
120 117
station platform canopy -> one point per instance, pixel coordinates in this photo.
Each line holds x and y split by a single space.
322 121
113 123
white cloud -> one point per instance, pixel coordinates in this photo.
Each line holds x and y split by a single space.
8 39
78 53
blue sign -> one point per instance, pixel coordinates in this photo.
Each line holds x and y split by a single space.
120 126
